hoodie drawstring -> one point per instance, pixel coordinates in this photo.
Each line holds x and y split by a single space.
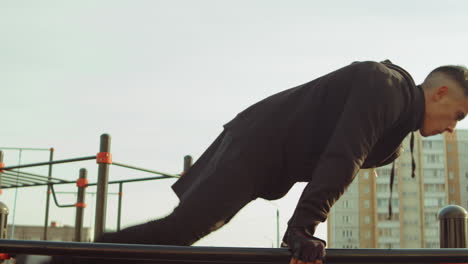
392 175
413 163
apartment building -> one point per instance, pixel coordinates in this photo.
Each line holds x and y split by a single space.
360 219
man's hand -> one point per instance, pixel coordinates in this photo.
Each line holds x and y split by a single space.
305 248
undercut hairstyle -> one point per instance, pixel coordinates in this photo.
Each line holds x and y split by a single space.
457 73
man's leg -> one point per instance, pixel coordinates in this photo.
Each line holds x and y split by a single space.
228 184
194 218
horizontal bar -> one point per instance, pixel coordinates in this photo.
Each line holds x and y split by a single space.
5 185
8 178
145 170
19 178
22 176
94 184
17 184
9 181
42 184
49 163
227 254
135 251
87 193
136 180
37 149
36 175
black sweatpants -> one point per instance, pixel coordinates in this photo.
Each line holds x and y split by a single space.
218 185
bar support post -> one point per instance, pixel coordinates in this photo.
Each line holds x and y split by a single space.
453 227
46 220
102 184
80 204
119 216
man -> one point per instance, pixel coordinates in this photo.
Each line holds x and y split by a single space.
321 132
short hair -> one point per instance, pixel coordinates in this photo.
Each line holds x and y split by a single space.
457 73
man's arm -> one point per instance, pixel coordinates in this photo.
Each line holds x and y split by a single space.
374 104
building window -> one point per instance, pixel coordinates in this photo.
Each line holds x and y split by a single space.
451 175
346 219
434 173
366 189
434 187
382 202
384 216
348 204
366 204
385 172
385 232
382 188
427 144
430 218
432 158
347 233
431 202
434 202
452 188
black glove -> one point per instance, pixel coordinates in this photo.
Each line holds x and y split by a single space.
303 245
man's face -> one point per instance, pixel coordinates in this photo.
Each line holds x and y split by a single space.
444 109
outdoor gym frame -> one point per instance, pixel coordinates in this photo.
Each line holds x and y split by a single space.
10 178
453 223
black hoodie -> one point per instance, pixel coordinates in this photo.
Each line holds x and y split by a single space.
322 132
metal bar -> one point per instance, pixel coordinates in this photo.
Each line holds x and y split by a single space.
226 254
80 207
35 175
187 163
5 185
56 201
110 182
49 187
10 181
50 162
25 179
92 193
8 185
136 180
44 184
101 197
119 212
145 170
37 149
13 178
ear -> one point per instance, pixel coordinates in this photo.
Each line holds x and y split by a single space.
440 93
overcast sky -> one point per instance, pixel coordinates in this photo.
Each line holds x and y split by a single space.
162 77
